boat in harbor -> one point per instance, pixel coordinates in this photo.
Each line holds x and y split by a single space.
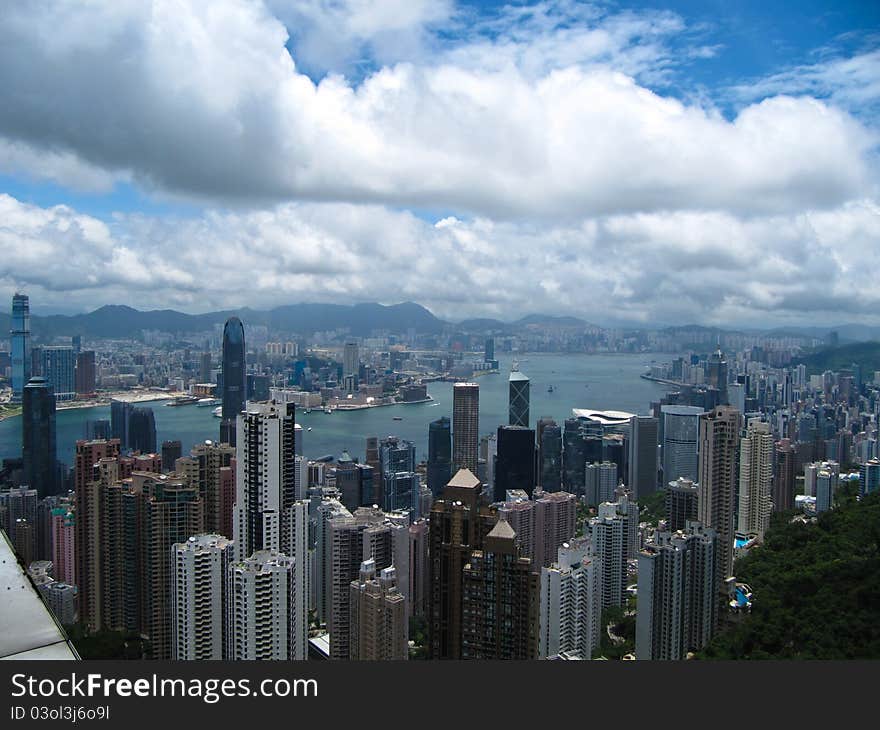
183 400
397 418
549 388
328 410
218 412
204 402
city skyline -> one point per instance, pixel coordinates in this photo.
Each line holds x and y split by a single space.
677 164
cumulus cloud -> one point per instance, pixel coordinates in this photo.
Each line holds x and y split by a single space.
563 179
204 100
680 266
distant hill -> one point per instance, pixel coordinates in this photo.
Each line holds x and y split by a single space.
864 354
117 321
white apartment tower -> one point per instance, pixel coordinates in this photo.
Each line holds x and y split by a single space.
199 573
265 476
571 603
261 621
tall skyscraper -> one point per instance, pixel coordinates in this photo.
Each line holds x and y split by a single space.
20 336
350 363
89 483
827 478
59 370
439 454
549 442
457 528
600 481
142 430
210 467
643 445
574 457
614 534
500 594
571 603
261 614
120 415
783 476
170 512
378 615
677 593
681 429
234 383
518 399
400 482
63 527
265 480
515 461
199 577
171 452
489 349
717 375
755 479
39 451
85 373
682 497
205 365
718 477
465 426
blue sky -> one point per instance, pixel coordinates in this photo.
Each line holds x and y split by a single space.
635 162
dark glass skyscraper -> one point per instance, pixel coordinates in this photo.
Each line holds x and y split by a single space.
549 471
518 403
233 378
20 334
142 430
515 461
120 413
439 454
38 437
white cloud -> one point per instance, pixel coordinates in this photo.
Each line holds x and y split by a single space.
204 100
683 266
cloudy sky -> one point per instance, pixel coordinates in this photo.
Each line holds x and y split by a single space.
649 162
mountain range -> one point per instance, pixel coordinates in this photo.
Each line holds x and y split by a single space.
118 322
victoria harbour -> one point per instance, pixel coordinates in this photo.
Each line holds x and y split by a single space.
602 381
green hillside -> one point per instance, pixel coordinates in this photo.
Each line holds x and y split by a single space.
864 354
816 589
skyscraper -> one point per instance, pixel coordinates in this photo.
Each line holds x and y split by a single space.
199 576
682 496
59 370
614 534
600 481
379 621
456 529
261 609
489 349
465 426
783 476
719 445
643 444
350 364
681 428
515 461
717 375
120 414
85 373
142 430
265 480
549 442
171 452
234 383
38 437
518 399
210 466
755 479
677 593
400 483
20 335
439 454
571 603
500 594
869 477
